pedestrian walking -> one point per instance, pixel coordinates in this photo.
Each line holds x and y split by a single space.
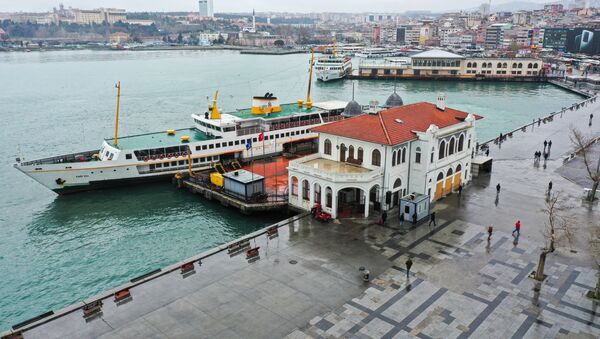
498 189
432 219
545 156
487 152
549 187
401 218
549 145
517 229
535 156
490 230
409 264
591 117
414 218
500 138
459 190
383 217
545 144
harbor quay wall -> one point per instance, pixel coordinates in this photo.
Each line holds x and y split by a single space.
448 77
239 246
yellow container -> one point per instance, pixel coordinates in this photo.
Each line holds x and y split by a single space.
185 138
300 103
216 178
171 132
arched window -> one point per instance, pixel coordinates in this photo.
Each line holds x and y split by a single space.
399 156
514 65
376 158
499 65
461 142
520 65
317 193
451 146
327 147
442 151
404 155
530 65
483 65
342 153
351 152
535 65
360 154
440 176
474 64
305 190
294 186
397 183
418 155
489 65
394 158
468 64
432 154
449 173
504 65
458 168
328 197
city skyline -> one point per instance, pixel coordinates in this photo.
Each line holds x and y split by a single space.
350 6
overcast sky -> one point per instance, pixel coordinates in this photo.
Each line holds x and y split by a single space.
247 5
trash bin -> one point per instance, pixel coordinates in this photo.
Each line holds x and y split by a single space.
366 275
586 193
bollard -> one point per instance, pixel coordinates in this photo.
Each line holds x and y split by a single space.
366 275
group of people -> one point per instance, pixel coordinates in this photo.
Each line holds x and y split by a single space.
515 233
546 153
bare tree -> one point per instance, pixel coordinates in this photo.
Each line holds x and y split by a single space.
558 230
595 247
583 145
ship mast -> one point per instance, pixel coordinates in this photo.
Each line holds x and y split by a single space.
312 59
118 86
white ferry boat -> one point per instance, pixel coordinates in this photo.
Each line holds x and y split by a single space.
265 128
378 52
332 66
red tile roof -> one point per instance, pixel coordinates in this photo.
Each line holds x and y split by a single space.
383 128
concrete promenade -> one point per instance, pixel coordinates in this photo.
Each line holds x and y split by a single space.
307 281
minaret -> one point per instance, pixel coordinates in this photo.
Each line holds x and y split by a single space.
253 20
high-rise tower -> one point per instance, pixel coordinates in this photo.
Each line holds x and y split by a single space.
205 8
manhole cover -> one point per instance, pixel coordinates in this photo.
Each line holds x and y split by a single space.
293 262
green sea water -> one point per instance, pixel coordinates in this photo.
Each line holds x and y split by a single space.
55 251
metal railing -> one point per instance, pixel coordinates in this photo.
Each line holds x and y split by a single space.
68 158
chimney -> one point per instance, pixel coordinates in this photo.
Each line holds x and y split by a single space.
441 102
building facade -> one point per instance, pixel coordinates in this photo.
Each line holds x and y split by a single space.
368 162
99 16
439 64
205 8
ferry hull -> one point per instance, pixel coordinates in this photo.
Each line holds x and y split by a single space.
106 184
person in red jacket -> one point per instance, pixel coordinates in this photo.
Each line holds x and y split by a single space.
517 228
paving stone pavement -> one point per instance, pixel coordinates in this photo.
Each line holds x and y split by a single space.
439 300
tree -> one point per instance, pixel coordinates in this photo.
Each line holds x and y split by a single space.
179 38
583 145
595 247
279 43
557 229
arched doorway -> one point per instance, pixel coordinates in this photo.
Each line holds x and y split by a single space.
374 198
448 184
397 191
439 186
328 197
342 153
457 177
350 202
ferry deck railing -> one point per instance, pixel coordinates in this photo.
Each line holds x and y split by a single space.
68 158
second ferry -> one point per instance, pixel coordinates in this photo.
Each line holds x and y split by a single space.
332 66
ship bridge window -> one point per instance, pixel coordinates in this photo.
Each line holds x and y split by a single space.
237 142
231 143
128 156
198 148
211 146
203 147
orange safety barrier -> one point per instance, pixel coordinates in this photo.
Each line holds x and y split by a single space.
122 296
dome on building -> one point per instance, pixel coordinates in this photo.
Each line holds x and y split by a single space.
352 109
394 100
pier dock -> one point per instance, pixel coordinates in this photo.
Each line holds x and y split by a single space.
226 200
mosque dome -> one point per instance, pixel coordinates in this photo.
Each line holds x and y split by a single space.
352 109
394 100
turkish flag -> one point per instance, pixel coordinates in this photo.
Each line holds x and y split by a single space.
261 137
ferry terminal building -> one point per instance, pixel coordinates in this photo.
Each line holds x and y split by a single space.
367 162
